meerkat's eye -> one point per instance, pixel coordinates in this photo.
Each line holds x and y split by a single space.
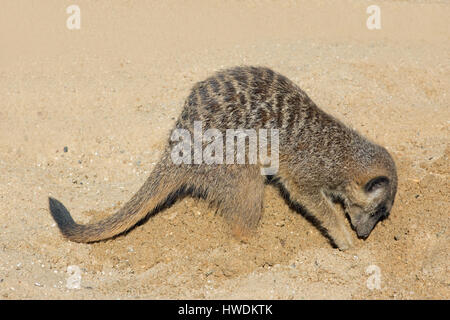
376 183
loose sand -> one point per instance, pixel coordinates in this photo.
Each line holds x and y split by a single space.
111 91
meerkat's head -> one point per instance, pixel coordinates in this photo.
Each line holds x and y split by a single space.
369 197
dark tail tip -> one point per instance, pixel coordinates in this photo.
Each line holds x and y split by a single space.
61 215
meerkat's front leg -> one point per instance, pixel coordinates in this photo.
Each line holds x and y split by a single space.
321 208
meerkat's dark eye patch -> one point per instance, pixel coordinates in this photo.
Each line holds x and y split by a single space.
376 183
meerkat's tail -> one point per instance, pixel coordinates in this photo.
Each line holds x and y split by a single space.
155 191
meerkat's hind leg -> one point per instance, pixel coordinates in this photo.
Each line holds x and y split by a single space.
239 195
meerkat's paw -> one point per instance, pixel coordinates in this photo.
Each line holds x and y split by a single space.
344 245
241 233
342 238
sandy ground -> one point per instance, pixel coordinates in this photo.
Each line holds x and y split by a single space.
110 93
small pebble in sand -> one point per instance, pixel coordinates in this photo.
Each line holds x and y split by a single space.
209 273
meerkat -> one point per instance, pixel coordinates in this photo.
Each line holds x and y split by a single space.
331 171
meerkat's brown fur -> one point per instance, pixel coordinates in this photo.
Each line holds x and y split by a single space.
322 162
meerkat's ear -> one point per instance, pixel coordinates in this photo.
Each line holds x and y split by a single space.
376 183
